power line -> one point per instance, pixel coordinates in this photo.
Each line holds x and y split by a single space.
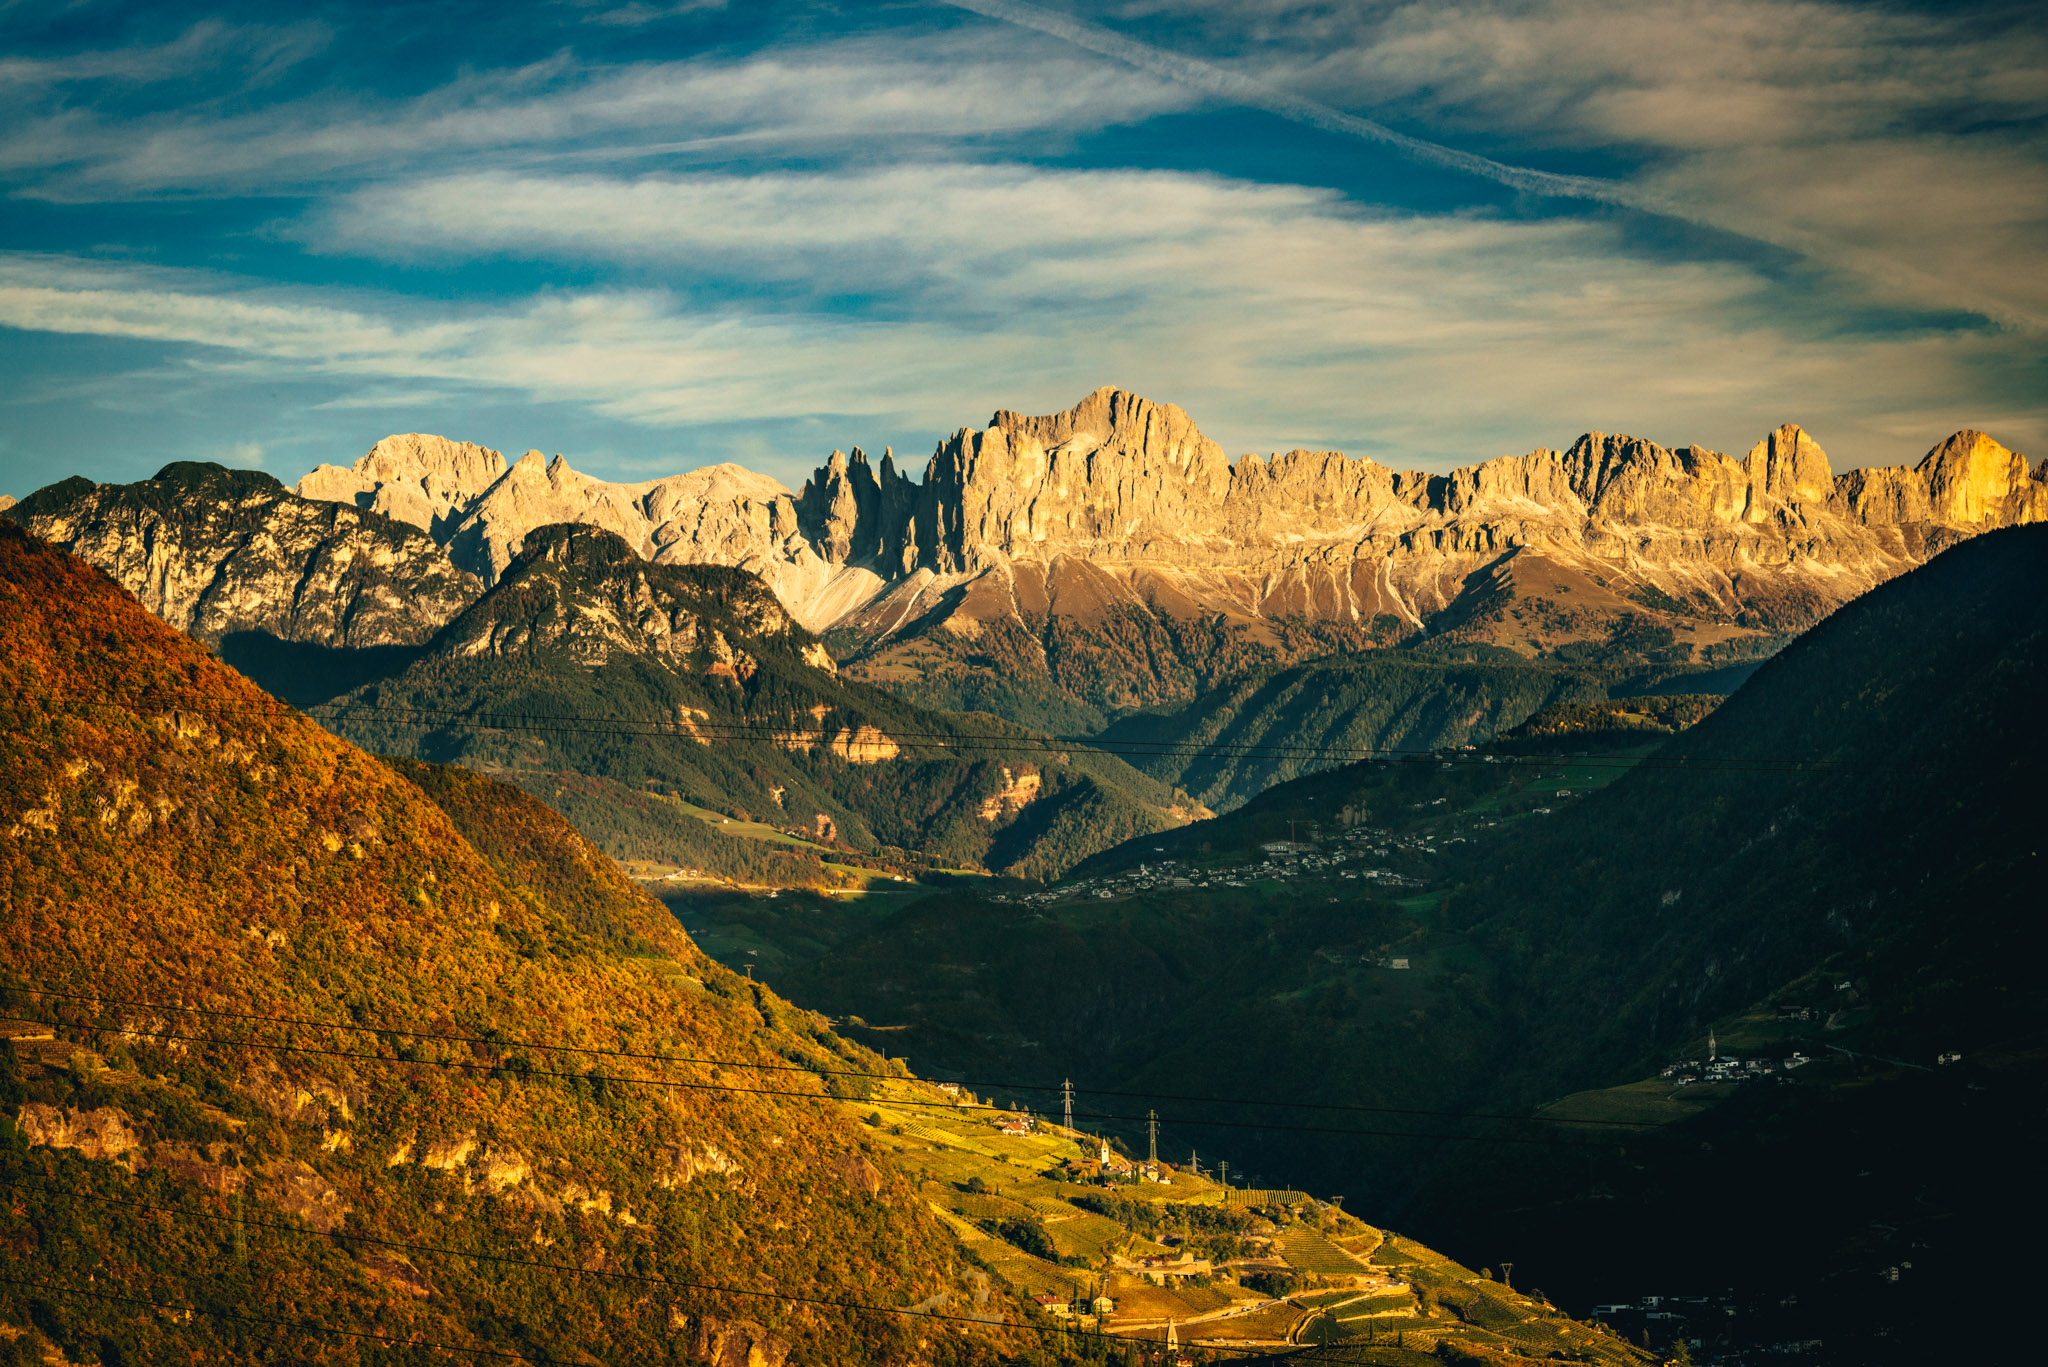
975 742
610 1079
275 1323
637 1278
592 724
1065 1088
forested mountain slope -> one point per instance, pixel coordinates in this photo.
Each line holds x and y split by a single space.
691 684
295 1044
1274 724
1856 832
1872 792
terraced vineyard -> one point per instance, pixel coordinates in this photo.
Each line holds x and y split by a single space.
1360 1246
1276 1323
1307 1251
1413 1330
977 1179
1082 1235
975 1207
1144 1302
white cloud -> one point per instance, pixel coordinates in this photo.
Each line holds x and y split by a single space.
261 53
243 453
845 93
970 237
1903 148
1277 315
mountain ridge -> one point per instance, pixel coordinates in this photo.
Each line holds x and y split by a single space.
1119 477
1070 567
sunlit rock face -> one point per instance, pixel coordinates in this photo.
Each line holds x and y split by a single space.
426 481
214 552
1116 517
480 509
1120 509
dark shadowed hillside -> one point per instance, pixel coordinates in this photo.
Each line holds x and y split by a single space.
1855 833
1274 724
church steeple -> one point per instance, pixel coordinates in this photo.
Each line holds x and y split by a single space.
1713 1049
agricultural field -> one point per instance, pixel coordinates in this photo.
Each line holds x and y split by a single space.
1653 1101
1386 1303
1030 1274
1140 1301
972 1207
1275 1323
1360 1246
1083 1234
1307 1251
1004 1201
1413 1329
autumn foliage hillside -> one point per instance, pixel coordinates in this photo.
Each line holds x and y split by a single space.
191 1177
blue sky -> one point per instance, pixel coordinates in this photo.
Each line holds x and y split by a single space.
656 236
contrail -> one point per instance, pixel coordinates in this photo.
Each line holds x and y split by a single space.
1255 94
1190 71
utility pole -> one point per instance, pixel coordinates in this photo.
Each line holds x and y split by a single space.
1067 1099
1152 1133
1194 1163
1507 1273
1226 1174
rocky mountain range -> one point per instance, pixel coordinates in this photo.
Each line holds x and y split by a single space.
1113 556
1066 569
216 552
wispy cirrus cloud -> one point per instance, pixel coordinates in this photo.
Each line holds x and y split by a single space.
1906 149
843 94
1280 315
668 216
255 54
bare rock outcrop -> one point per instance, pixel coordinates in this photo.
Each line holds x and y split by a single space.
216 552
722 1342
427 481
105 1132
297 1190
482 511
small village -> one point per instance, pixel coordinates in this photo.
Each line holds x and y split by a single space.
1177 1255
1719 1067
1284 860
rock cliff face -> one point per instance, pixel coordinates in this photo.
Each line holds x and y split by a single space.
1063 568
1112 556
426 481
216 552
1133 489
481 510
583 592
